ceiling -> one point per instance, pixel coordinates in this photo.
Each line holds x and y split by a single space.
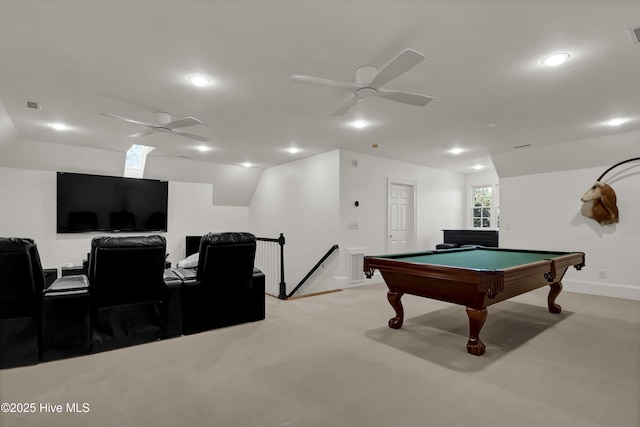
79 58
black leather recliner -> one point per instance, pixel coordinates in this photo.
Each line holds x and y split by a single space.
37 323
130 302
227 289
21 285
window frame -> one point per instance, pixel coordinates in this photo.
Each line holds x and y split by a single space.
494 209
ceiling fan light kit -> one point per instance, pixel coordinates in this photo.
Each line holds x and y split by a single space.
369 81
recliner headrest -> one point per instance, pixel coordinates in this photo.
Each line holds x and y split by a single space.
15 244
227 238
128 241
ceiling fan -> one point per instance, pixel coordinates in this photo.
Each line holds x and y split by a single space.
369 81
163 124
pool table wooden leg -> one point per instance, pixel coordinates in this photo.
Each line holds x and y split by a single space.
394 300
554 291
476 320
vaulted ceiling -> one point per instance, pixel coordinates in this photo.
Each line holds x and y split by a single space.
131 58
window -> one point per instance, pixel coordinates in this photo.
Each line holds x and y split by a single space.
134 157
484 207
135 160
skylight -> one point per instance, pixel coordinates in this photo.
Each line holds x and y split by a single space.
134 157
135 160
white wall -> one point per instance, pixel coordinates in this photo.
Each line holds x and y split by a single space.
203 196
8 132
301 200
439 204
312 200
440 195
231 185
29 210
581 154
192 213
542 211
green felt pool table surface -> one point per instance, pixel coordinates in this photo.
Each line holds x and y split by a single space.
478 258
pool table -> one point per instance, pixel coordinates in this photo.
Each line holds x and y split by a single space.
475 277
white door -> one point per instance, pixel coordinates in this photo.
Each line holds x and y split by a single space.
401 218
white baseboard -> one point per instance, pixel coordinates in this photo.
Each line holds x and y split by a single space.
602 289
342 282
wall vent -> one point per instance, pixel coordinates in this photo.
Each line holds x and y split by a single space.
356 264
635 35
33 104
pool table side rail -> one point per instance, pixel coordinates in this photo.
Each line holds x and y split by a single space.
490 282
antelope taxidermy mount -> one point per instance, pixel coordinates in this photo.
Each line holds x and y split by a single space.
600 202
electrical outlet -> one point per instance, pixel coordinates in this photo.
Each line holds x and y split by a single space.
602 274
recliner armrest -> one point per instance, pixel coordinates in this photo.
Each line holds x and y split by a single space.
68 285
173 300
258 295
258 279
66 325
186 274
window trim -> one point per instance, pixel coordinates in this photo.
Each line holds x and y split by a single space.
494 213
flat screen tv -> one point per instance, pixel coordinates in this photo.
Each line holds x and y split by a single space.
87 203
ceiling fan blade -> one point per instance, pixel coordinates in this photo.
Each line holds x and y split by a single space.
346 106
139 134
405 97
323 82
402 63
190 135
113 116
181 123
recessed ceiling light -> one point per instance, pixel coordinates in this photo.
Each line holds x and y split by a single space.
555 59
59 126
203 148
293 150
359 124
199 80
477 167
456 151
615 122
247 164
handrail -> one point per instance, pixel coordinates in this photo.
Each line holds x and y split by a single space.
313 270
280 240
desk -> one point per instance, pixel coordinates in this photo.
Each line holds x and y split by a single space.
474 277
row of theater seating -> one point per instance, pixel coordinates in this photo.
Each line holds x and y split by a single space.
127 297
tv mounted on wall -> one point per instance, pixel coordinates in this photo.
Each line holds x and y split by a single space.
87 203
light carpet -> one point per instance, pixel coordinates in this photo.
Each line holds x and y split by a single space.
331 360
